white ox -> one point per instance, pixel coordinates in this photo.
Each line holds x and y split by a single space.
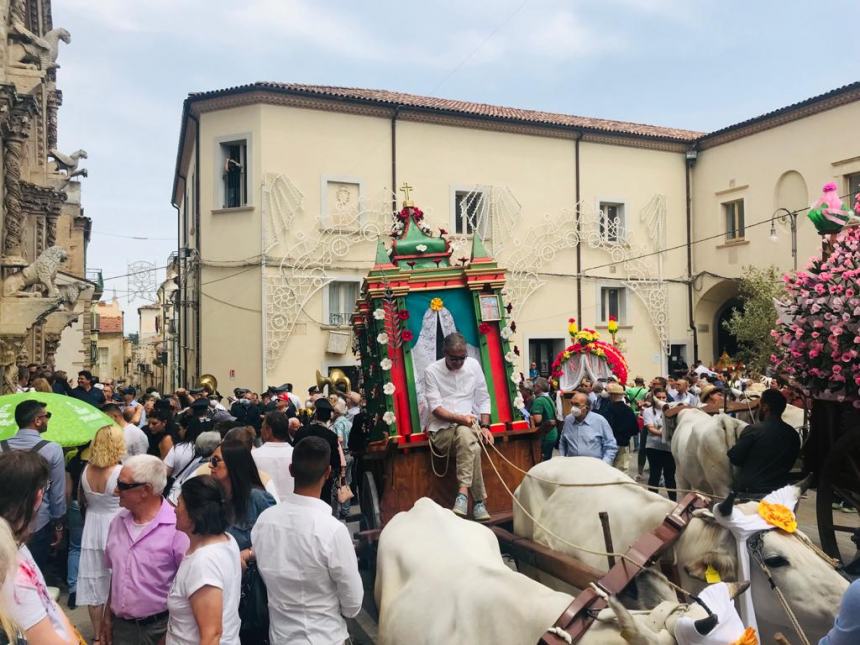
441 579
811 585
700 443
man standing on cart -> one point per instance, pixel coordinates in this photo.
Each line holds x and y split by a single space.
457 397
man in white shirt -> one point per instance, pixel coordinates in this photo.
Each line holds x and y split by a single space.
456 395
136 441
276 453
307 558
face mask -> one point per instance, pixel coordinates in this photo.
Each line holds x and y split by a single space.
604 395
575 411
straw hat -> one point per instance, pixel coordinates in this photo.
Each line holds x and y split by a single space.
614 388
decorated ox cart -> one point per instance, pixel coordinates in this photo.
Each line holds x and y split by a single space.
817 338
414 296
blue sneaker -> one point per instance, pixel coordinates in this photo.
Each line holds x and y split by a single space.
480 513
461 505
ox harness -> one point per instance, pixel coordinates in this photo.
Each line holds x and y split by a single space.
582 612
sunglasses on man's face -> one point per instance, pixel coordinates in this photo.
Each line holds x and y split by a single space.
128 485
46 415
214 461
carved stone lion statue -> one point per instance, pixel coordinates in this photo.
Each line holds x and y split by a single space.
42 273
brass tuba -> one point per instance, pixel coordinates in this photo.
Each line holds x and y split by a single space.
337 381
209 382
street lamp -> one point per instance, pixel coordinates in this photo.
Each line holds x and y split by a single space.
782 214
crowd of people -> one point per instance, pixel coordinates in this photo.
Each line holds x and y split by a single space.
185 520
610 420
190 521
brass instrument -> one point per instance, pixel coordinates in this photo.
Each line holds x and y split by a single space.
209 382
336 381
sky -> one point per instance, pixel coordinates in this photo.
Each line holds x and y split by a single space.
700 65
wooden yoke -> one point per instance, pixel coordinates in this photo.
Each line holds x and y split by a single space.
581 613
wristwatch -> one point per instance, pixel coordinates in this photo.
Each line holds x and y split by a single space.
485 425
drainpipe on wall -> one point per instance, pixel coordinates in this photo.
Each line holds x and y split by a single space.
691 156
176 379
394 158
578 230
198 244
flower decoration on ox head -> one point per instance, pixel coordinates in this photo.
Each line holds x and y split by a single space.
818 332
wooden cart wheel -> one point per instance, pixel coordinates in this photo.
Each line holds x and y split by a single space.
371 515
839 481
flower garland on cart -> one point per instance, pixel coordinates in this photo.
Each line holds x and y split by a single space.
587 355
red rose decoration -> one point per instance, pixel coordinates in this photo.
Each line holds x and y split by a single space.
403 314
407 335
484 328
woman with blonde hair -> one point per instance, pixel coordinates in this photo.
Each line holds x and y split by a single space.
41 385
9 634
99 505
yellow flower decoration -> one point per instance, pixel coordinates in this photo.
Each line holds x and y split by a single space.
747 638
566 355
778 515
612 327
436 304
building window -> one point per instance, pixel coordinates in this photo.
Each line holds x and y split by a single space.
612 222
734 215
613 302
234 157
853 182
341 302
471 213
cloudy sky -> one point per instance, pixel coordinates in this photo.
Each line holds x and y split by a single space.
691 64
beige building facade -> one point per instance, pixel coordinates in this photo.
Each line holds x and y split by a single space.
282 192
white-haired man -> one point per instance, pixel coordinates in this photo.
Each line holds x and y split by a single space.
456 396
143 550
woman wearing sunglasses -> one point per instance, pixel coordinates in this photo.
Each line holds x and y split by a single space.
23 484
233 467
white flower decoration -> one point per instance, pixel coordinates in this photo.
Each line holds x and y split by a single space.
385 364
421 248
389 388
506 332
516 378
379 314
389 417
511 358
382 338
519 402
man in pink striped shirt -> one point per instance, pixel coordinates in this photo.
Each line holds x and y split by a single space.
143 551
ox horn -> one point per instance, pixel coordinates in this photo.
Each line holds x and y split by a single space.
805 483
737 588
706 625
725 507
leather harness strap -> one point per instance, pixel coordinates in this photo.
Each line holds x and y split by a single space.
581 613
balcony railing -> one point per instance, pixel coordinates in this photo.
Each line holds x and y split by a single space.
95 275
339 320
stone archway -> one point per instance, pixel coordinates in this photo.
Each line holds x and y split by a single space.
724 340
714 305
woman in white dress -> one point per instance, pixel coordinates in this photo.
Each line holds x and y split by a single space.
99 505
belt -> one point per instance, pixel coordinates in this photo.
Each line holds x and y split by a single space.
148 620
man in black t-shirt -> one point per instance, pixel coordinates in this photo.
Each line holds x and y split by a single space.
766 451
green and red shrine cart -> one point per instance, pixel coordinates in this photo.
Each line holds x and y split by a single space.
414 296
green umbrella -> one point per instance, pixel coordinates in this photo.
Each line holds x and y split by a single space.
72 423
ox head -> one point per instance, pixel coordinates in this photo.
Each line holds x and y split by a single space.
811 584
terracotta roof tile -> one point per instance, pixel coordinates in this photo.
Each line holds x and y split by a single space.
465 108
110 324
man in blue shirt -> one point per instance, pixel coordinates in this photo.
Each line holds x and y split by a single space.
586 433
846 629
32 420
87 392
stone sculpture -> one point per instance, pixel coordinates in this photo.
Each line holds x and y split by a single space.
35 52
42 273
69 163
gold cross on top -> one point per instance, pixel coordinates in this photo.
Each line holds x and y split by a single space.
406 189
